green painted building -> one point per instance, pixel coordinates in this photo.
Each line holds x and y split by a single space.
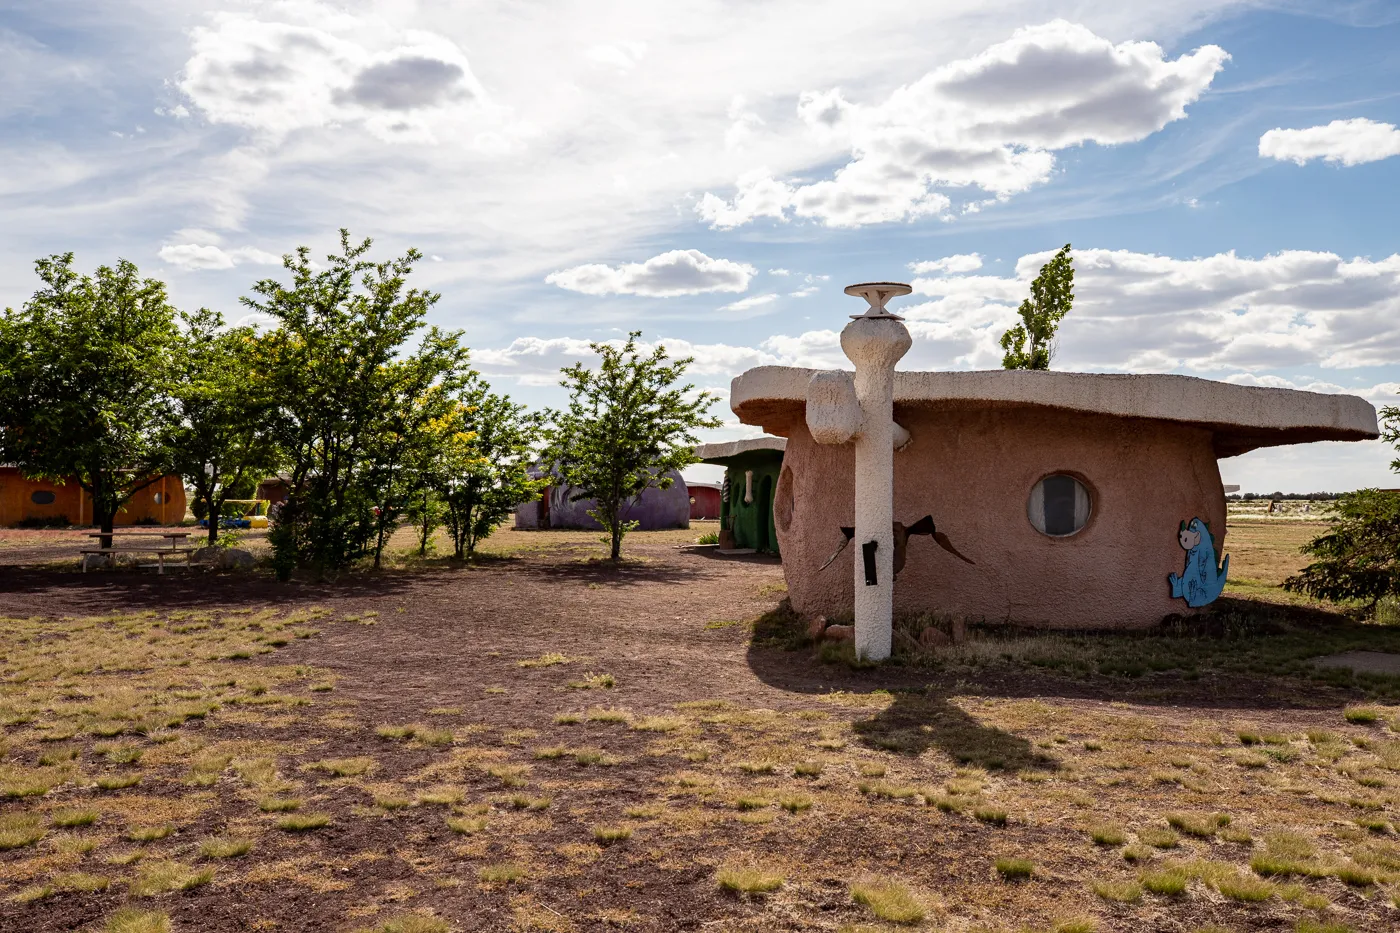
751 469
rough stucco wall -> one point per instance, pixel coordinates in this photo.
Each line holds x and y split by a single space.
973 472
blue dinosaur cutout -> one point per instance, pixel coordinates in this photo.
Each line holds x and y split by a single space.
1202 581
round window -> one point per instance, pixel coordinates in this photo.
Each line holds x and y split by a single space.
41 497
1059 505
159 498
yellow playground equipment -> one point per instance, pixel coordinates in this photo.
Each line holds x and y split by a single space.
252 511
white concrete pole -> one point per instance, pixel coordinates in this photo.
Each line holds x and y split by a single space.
875 342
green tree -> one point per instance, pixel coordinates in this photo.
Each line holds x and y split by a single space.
483 469
404 445
1359 555
628 425
342 329
1031 343
220 437
88 364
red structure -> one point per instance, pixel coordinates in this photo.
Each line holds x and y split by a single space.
704 500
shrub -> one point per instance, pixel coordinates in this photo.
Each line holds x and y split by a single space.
1358 558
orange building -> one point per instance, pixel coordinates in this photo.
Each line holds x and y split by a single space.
20 499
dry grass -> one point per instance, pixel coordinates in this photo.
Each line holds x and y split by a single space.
128 740
748 878
889 900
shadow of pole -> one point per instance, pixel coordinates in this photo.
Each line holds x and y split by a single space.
916 722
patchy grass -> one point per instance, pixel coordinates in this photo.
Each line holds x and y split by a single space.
889 900
409 923
303 822
592 681
1014 869
1100 771
748 878
225 847
607 835
159 876
131 920
501 873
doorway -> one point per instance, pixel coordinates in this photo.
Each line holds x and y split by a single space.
764 532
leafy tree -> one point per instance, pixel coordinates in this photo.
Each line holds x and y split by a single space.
1359 556
334 373
88 364
220 437
483 468
403 447
426 512
1031 343
626 428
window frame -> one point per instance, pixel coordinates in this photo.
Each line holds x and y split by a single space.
1090 495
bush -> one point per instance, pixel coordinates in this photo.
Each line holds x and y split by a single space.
44 521
1359 557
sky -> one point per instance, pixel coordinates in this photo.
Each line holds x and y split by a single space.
713 174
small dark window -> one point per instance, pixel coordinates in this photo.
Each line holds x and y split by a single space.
1059 505
41 497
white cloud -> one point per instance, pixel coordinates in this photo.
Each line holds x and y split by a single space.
1349 142
1144 312
958 263
537 360
991 122
678 272
209 256
623 56
748 304
295 70
779 272
807 292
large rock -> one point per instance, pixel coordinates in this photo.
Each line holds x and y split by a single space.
234 558
95 562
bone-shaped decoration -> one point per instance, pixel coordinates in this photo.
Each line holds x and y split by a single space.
833 411
834 414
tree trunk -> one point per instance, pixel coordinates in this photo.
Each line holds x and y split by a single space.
616 530
105 526
215 515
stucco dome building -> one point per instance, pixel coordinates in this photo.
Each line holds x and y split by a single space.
1066 491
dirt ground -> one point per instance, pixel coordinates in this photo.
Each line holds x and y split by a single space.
541 742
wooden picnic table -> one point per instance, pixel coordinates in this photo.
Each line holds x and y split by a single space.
176 539
139 534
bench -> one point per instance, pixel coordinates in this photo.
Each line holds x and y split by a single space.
174 549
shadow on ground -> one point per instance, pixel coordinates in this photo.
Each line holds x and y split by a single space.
27 591
1246 655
